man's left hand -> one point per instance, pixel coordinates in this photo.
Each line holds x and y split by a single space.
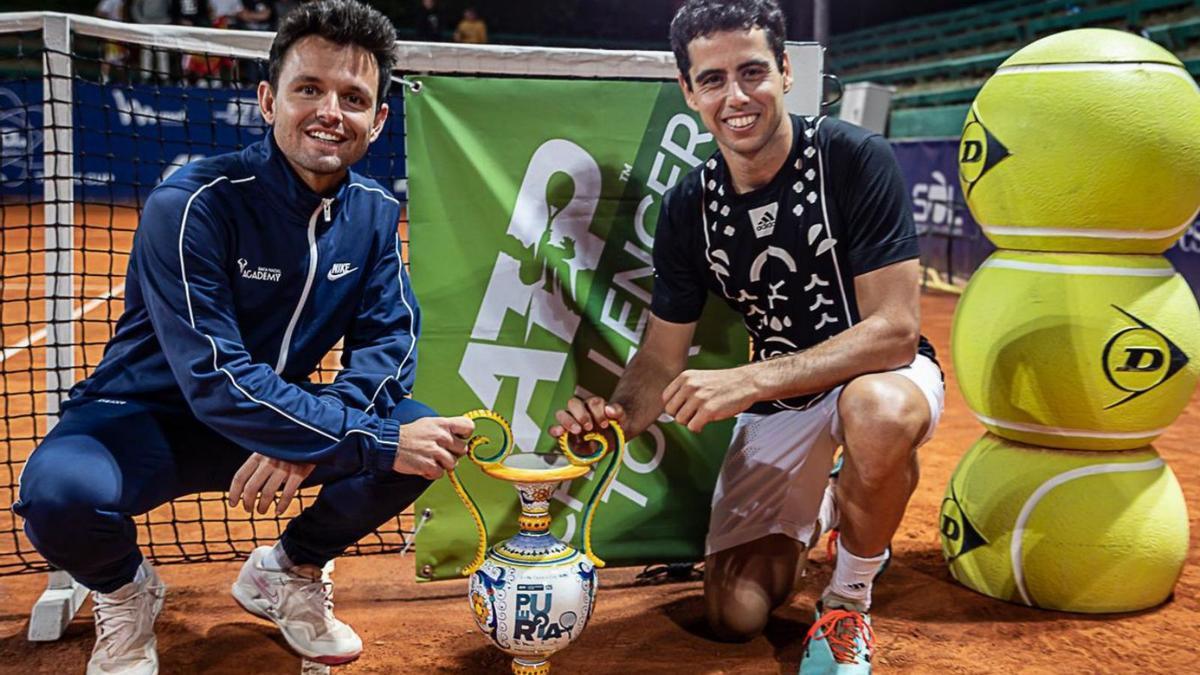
261 477
697 397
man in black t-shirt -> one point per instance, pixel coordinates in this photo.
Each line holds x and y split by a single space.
803 226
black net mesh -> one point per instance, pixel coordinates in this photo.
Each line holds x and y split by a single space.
136 114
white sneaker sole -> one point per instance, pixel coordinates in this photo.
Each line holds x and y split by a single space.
249 602
148 667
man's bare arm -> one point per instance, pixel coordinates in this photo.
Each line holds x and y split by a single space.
637 399
885 338
662 356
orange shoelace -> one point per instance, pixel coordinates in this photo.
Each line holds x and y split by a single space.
840 627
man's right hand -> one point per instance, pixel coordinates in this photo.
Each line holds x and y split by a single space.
430 446
582 416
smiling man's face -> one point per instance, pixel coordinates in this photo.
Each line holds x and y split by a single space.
323 110
737 87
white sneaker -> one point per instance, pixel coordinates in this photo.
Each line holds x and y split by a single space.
301 606
125 641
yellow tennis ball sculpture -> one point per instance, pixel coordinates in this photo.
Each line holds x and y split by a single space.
1072 531
1084 351
1087 140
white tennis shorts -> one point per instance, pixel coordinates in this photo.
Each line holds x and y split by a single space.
777 466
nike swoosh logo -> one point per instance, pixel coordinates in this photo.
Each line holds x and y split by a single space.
267 592
334 276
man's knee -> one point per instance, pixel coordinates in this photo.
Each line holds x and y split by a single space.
884 415
63 490
737 607
732 621
743 585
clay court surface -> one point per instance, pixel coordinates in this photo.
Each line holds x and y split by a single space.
924 621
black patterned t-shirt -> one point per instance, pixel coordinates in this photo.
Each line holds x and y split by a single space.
785 256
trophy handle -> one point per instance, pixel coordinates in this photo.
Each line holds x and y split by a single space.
606 479
474 445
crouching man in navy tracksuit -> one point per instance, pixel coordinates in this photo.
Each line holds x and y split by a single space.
246 269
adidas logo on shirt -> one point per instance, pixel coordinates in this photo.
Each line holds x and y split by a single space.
763 219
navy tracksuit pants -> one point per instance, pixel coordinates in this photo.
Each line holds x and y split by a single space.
107 461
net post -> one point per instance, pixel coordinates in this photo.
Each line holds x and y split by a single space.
63 595
56 607
59 194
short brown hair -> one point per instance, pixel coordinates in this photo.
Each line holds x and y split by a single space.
701 18
342 22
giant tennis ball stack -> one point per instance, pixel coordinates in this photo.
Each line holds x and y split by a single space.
1074 531
1080 159
1087 140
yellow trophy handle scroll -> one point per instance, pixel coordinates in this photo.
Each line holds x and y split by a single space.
606 479
492 464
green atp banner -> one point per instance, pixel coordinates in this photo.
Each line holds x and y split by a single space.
532 213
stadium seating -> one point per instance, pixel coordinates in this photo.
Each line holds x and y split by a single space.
937 63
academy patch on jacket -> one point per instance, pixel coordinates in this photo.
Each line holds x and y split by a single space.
258 273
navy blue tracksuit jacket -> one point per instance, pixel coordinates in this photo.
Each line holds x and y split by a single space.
241 279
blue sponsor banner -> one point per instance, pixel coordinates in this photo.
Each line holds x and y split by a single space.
951 241
1185 256
20 136
129 138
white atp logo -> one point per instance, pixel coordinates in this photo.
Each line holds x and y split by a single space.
554 228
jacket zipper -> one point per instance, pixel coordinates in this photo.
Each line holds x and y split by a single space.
312 273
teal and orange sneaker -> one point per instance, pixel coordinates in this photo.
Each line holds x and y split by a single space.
840 642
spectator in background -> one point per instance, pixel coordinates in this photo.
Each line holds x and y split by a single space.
200 70
112 54
113 10
224 12
256 15
472 29
152 12
191 13
429 24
